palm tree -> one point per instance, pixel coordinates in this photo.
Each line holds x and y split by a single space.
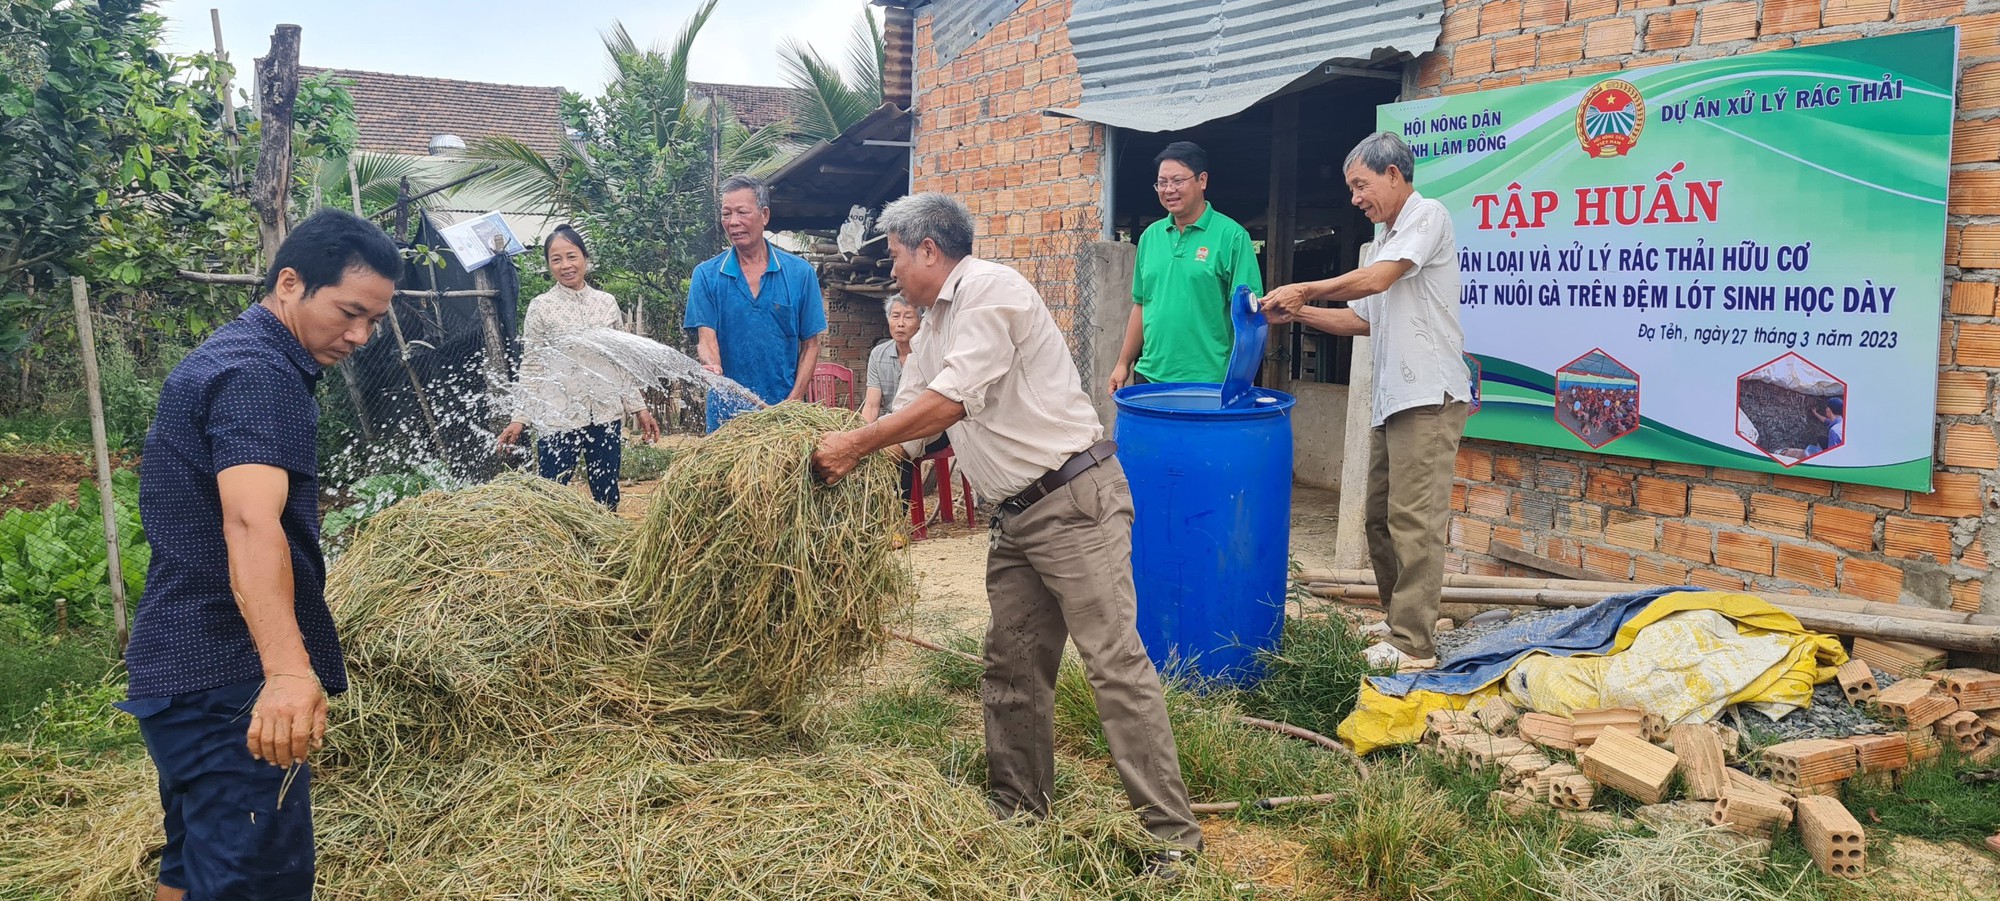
828 103
651 87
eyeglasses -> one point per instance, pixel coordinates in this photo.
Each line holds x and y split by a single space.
1166 183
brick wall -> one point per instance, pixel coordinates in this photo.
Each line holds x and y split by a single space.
854 325
1668 523
1032 181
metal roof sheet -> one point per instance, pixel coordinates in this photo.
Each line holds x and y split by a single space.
957 24
1164 65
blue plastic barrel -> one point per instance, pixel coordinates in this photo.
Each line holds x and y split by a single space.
1212 501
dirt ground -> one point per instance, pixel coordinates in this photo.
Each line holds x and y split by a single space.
34 481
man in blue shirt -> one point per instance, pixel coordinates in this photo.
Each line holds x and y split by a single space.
757 311
233 650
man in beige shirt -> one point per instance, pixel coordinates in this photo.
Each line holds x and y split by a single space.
990 368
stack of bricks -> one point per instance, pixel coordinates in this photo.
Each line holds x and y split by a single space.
1675 523
1033 182
853 328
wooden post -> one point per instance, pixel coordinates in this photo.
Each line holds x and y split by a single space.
1282 216
354 185
277 91
93 388
228 102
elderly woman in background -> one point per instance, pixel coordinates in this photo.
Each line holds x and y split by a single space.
578 419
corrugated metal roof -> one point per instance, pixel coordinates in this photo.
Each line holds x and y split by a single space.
1163 65
956 24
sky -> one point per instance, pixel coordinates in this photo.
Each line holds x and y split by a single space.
527 42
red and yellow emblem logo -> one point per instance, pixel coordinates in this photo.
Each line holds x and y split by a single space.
1610 118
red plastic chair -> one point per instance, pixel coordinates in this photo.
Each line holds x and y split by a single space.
832 385
941 461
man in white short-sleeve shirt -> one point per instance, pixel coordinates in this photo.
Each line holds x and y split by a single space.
1405 297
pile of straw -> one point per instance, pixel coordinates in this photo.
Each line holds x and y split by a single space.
494 614
770 579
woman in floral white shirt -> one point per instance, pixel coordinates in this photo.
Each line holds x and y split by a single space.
576 419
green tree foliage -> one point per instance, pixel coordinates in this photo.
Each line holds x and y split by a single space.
827 102
640 173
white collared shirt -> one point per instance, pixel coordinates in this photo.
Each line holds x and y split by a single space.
1414 333
990 344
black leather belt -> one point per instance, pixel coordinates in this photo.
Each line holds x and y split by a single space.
1062 475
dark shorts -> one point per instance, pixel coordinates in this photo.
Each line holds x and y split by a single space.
228 834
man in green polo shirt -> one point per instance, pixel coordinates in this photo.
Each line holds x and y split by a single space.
1189 264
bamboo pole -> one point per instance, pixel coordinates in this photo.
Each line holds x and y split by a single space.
1976 637
1360 579
107 506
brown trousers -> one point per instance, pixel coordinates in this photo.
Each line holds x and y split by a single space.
1063 568
1410 460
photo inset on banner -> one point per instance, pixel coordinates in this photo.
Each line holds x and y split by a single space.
1791 409
1472 364
1597 398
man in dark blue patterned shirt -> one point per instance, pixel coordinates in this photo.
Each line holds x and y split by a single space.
233 651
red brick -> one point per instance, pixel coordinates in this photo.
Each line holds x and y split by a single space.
1841 527
1708 578
1688 470
1809 565
1716 504
1472 58
1486 500
1815 487
1608 487
1920 10
1535 13
1974 557
1916 539
1875 496
1651 571
1565 552
1514 52
1580 519
1510 470
1970 446
1458 497
1978 35
1722 22
1687 541
1559 478
1850 12
1777 513
1978 345
1744 551
1502 81
1953 494
1610 37
1871 580
1967 597
1670 30
1790 15
1979 87
1461 24
1963 393
1635 531
1605 562
1662 496
1471 535
1509 535
1742 477
1431 69
1975 141
1500 17
1974 192
1474 465
1972 298
1565 45
1580 10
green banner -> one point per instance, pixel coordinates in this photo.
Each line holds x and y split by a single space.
1733 262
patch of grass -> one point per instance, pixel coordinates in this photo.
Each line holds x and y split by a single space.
60 680
952 672
915 716
36 430
1932 803
1314 676
644 462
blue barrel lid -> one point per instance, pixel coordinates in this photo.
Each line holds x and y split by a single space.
1199 400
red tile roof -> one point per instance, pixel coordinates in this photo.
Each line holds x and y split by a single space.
401 113
755 105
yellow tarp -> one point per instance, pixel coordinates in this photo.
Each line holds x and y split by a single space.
1670 658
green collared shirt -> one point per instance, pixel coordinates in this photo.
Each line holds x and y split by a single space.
1182 283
